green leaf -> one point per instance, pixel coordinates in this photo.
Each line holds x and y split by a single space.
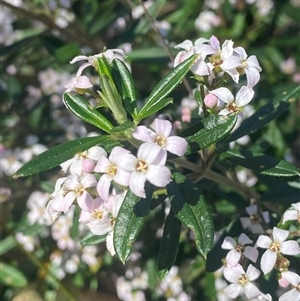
11 276
265 114
123 131
169 244
165 86
129 223
126 85
208 131
92 239
59 154
265 164
283 192
7 244
191 209
82 109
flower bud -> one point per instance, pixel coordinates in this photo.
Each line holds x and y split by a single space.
210 100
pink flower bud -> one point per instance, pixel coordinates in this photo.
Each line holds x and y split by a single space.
88 165
210 100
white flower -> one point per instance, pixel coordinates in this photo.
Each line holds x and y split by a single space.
111 171
253 223
149 165
274 247
74 165
241 281
233 104
237 250
292 214
161 136
294 280
109 54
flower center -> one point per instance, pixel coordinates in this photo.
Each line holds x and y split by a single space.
160 140
240 248
275 247
232 107
112 169
243 280
97 214
245 64
255 219
141 166
79 190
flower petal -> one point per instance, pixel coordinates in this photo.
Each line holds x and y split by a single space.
176 145
158 175
268 261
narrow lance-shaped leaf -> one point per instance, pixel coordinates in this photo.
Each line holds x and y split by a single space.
191 209
125 83
169 244
11 276
165 87
82 109
59 154
92 239
265 114
208 131
265 164
129 223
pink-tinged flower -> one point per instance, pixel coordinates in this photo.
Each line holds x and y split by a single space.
161 136
109 54
199 67
275 246
79 84
219 56
294 280
111 171
75 165
233 104
237 250
100 217
241 281
253 222
292 214
72 188
149 165
240 64
96 216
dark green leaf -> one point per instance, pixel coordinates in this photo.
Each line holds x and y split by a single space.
126 86
165 86
191 209
129 223
262 163
11 276
82 109
92 239
169 244
208 131
283 192
59 154
265 114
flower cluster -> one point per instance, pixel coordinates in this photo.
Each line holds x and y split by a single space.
98 182
214 63
276 245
